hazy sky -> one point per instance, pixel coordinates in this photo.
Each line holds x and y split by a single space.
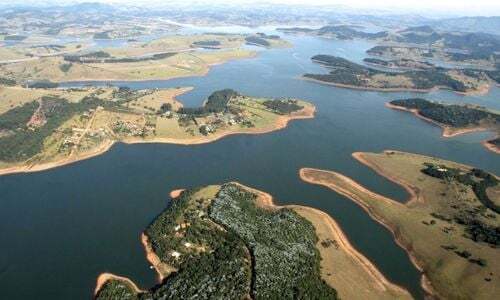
467 7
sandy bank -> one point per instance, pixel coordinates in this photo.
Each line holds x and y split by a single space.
425 283
413 191
280 123
490 146
104 277
176 193
105 146
162 269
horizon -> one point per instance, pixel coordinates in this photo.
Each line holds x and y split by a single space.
427 8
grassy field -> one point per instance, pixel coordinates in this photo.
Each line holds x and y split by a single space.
176 43
182 64
439 226
153 102
352 275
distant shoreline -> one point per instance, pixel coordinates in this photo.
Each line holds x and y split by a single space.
395 90
282 121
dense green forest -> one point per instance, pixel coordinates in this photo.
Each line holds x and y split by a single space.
451 115
116 290
256 40
216 102
206 43
282 107
248 251
286 261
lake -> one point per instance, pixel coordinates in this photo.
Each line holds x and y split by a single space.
61 228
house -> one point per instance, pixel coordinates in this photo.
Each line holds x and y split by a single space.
175 254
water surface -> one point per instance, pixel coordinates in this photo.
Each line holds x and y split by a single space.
62 227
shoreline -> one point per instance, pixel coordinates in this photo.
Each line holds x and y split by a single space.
395 90
176 193
161 268
447 131
491 147
413 192
282 122
153 260
424 282
105 277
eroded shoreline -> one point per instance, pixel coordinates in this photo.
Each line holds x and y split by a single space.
425 283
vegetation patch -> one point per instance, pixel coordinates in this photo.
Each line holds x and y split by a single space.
225 247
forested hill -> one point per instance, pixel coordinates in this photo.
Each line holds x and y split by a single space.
224 246
452 115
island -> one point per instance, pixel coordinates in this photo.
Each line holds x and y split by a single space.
232 242
450 226
493 144
344 73
341 32
267 40
54 127
453 118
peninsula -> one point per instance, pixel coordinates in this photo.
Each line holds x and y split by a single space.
449 226
160 59
230 241
344 73
73 124
454 119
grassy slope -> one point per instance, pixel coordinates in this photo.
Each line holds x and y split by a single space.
451 276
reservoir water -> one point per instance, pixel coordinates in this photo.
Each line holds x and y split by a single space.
60 228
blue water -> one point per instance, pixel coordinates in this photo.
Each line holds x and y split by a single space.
62 227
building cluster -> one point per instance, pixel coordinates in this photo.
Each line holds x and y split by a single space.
131 129
219 120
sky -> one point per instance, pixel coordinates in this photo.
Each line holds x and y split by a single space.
465 7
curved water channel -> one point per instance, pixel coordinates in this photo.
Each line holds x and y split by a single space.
62 227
